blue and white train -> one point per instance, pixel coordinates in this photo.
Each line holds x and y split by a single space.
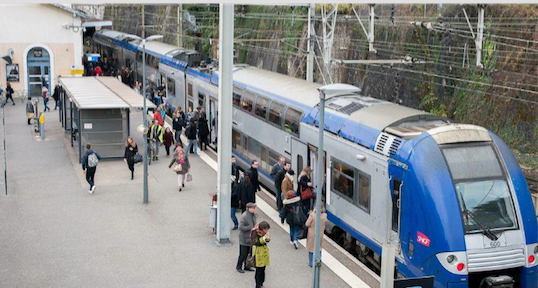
451 197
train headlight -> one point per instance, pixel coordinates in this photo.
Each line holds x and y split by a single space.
451 258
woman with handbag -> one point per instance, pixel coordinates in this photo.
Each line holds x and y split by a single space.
131 149
311 236
304 189
181 166
261 251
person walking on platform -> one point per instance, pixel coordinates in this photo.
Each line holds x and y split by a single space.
253 172
247 193
261 251
155 135
130 151
9 93
181 158
311 236
177 125
89 166
203 132
246 224
190 132
45 92
294 215
279 177
30 110
158 116
168 140
56 96
305 183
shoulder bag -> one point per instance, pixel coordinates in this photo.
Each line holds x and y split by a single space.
306 193
178 167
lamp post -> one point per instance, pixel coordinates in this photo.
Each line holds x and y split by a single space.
144 114
325 91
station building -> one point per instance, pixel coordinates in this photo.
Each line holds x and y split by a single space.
42 41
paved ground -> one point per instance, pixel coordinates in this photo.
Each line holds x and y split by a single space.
54 234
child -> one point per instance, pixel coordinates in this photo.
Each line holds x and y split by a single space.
168 139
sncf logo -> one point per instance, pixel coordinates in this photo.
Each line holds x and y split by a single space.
423 239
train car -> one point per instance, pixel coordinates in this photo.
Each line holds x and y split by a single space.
451 197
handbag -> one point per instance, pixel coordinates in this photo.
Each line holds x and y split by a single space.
189 177
302 233
178 168
251 260
30 115
306 193
137 158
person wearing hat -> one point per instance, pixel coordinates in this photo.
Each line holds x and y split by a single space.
293 213
246 223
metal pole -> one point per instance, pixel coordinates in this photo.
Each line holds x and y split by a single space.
317 259
5 148
71 120
480 35
143 22
79 138
371 37
224 146
310 44
180 25
145 121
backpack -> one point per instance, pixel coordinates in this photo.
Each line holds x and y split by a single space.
92 160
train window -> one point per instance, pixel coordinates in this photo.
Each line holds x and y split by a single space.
263 159
275 113
343 179
364 191
236 139
291 123
472 162
261 107
244 145
189 89
396 192
155 62
299 163
273 158
237 92
201 100
171 86
247 101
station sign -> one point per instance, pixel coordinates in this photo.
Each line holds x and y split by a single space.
422 282
77 70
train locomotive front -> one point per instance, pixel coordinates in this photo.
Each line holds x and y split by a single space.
467 216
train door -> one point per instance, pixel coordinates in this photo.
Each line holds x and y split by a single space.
299 153
213 121
396 188
190 97
313 163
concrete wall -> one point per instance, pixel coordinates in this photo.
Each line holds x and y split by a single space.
24 26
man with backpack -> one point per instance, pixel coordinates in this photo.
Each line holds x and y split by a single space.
89 166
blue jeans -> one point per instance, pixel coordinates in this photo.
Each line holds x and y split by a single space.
45 101
192 143
234 218
311 258
293 232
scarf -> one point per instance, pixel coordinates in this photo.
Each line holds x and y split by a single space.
180 157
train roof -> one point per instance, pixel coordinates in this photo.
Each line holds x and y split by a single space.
159 47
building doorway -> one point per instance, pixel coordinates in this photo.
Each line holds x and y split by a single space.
38 68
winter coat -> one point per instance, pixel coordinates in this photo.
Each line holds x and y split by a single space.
303 181
236 188
203 129
275 169
168 139
247 221
247 194
311 236
288 211
56 94
260 250
159 132
9 91
279 178
129 154
287 185
235 172
253 172
29 106
186 164
190 132
85 158
158 116
177 123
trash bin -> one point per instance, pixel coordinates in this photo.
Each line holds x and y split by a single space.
213 217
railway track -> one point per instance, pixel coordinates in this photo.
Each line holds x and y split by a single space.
533 187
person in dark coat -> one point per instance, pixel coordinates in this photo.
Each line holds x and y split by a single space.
247 192
168 140
235 171
88 168
235 203
253 172
9 93
246 223
56 96
291 204
278 184
190 132
305 182
177 125
203 132
130 151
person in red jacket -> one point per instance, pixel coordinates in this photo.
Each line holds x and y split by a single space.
158 116
98 71
168 139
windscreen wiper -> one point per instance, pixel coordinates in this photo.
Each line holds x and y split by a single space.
484 228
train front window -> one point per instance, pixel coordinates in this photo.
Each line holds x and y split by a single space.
483 194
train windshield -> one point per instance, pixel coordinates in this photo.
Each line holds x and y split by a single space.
484 197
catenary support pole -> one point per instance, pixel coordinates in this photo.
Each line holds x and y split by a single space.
310 44
480 35
319 186
180 25
5 147
371 37
143 22
224 146
144 117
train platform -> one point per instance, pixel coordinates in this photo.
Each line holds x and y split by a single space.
53 233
